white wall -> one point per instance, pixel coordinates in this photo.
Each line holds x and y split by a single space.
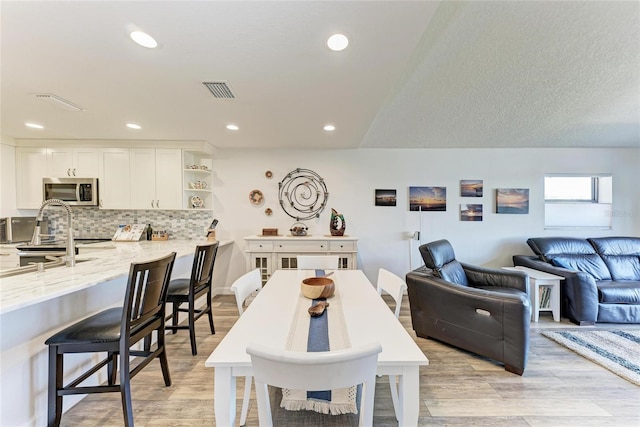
353 175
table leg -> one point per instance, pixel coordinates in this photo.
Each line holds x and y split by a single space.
535 300
224 397
409 396
555 300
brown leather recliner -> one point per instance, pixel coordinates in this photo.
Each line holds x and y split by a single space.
485 311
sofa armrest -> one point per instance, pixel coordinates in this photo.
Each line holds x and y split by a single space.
579 291
481 276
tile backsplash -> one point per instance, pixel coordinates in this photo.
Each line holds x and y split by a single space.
101 223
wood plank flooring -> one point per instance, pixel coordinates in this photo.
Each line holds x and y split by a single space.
558 388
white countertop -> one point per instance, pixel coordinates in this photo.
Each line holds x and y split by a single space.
31 288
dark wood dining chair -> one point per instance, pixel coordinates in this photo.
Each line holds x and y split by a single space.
114 331
190 290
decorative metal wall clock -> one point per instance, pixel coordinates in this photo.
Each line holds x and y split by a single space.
303 194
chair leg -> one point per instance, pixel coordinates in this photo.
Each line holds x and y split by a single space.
366 404
112 368
125 389
192 327
164 363
394 394
174 317
245 400
264 406
210 312
54 411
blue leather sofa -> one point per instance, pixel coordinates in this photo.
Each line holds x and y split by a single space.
602 276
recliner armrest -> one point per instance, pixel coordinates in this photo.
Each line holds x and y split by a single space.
481 276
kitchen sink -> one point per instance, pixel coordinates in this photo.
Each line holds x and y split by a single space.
54 262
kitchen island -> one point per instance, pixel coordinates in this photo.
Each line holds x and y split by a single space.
34 306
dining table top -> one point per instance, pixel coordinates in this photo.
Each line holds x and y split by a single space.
268 321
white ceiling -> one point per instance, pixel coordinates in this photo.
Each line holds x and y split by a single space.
417 74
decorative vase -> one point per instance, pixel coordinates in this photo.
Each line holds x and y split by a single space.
337 223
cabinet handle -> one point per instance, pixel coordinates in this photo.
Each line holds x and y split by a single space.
152 204
158 204
101 203
74 171
69 172
322 246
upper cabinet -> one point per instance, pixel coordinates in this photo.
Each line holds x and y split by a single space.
31 167
197 180
128 178
156 178
68 162
114 183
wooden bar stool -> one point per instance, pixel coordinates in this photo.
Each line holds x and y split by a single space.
189 290
114 331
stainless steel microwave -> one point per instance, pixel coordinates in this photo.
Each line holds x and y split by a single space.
73 191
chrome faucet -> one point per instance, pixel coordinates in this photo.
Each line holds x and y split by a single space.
35 239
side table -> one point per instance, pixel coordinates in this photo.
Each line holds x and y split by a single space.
544 291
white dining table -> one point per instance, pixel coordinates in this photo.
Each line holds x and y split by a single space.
268 321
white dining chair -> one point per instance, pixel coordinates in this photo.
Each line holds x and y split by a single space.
244 287
313 371
322 262
394 286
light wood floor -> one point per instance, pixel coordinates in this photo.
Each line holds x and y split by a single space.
558 388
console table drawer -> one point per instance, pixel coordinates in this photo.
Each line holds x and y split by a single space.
257 246
342 246
301 246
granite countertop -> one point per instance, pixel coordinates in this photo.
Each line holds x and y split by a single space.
27 289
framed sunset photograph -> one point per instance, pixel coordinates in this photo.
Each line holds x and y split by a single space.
385 197
512 200
471 212
471 187
428 199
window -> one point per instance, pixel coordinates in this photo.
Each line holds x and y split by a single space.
578 200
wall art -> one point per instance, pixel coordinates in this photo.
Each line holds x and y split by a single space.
512 200
303 194
471 187
385 197
428 199
471 212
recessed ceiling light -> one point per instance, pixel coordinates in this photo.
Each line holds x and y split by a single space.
338 42
33 125
329 128
134 126
143 39
232 127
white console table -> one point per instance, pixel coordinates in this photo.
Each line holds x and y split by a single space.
544 291
271 253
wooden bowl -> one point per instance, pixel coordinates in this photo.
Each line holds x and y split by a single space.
317 287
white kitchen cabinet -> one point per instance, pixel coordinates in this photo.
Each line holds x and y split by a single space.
114 183
67 162
156 178
270 253
31 167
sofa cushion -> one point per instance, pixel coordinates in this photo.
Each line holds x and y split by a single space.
627 292
547 247
588 263
621 256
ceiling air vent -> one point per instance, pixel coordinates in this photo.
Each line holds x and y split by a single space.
58 102
219 89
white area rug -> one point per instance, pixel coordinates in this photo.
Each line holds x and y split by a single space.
616 350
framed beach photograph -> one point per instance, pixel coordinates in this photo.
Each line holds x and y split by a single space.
386 197
428 199
471 212
471 187
512 200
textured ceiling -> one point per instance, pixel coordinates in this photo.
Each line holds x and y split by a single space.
416 74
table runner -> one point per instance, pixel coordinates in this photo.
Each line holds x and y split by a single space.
323 333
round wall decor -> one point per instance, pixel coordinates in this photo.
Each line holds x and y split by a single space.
303 194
